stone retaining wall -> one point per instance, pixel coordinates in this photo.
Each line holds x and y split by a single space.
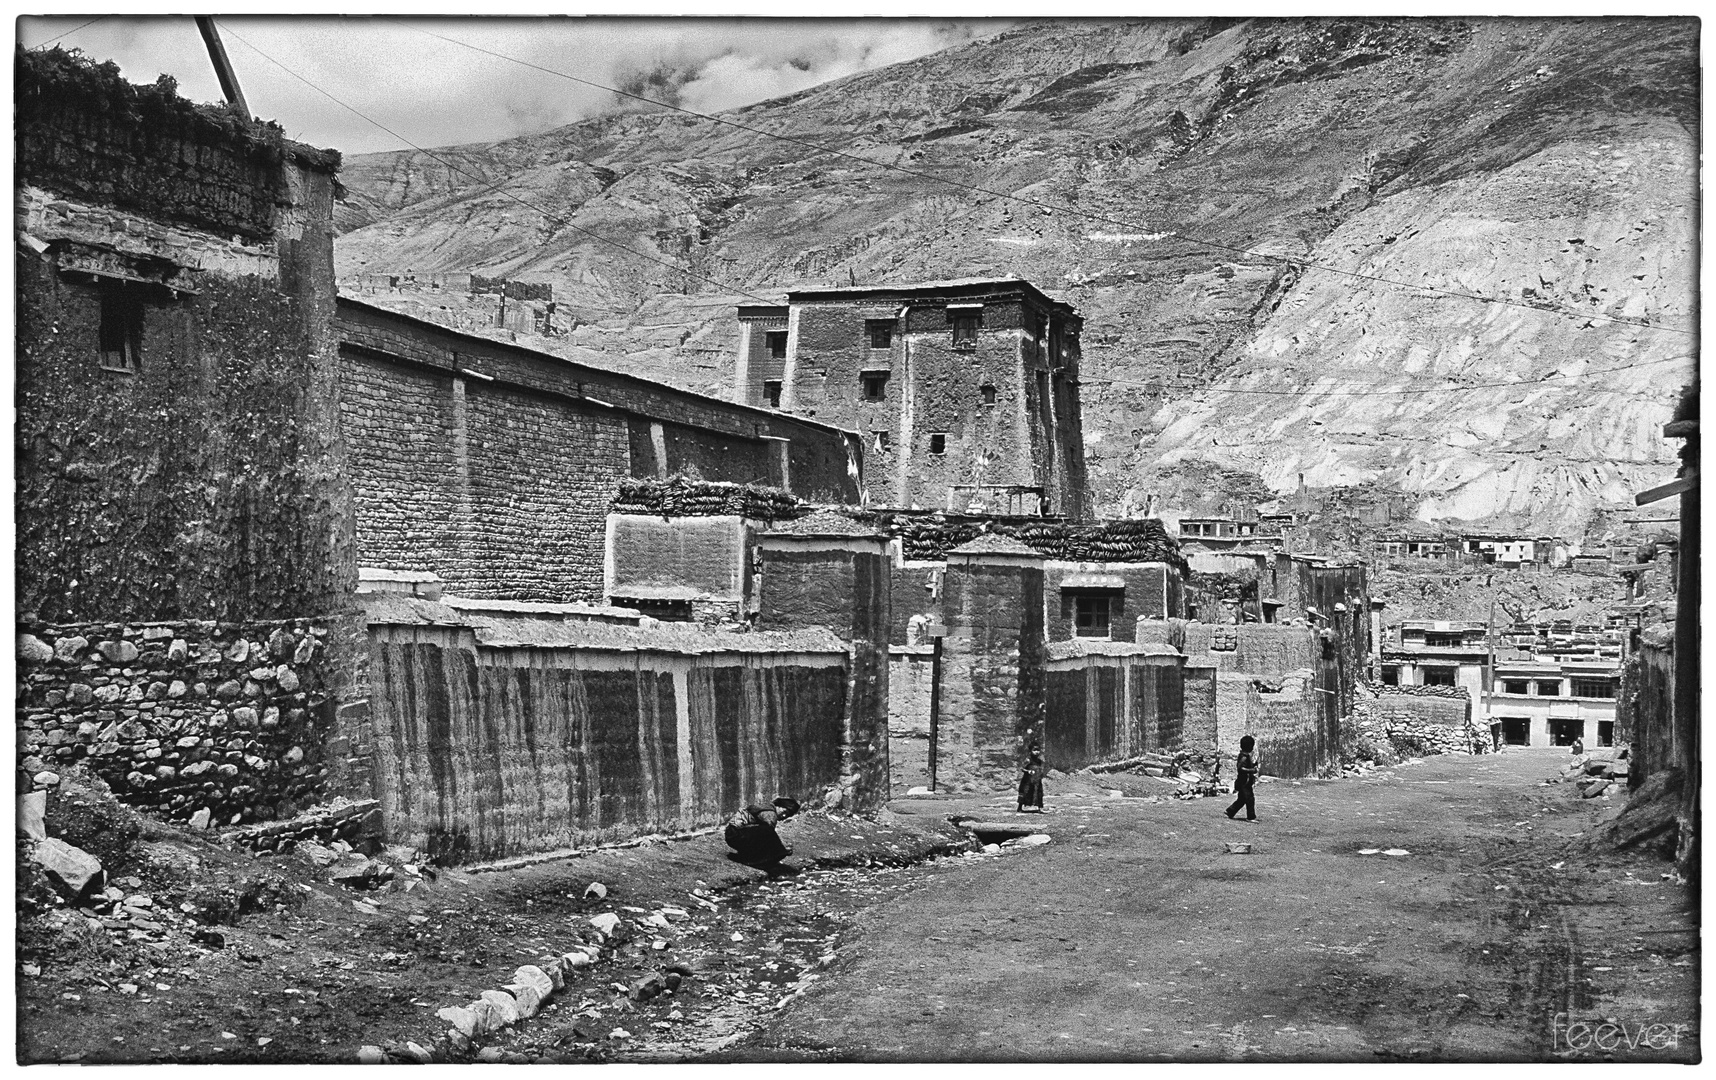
183 716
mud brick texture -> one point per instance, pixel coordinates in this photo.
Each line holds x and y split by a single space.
992 682
484 752
209 482
181 717
1103 708
500 481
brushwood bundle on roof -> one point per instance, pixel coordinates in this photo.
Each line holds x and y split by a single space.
683 497
929 539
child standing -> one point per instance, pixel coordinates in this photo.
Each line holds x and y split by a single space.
1031 780
1247 777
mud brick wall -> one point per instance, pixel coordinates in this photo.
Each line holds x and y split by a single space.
484 752
1147 595
1198 729
84 131
1288 727
992 682
1102 707
210 483
1644 709
843 587
185 716
909 686
712 437
710 554
1265 649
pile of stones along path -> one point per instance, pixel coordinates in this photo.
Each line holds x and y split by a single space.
1595 777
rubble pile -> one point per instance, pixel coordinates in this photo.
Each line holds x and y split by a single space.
340 819
1595 776
681 496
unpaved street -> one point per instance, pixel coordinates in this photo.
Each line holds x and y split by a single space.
1134 936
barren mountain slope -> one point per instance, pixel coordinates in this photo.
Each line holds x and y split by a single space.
1549 162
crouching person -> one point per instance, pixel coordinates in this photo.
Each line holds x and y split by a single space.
751 833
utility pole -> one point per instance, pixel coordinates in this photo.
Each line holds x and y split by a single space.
223 66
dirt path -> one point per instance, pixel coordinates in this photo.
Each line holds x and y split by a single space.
1135 937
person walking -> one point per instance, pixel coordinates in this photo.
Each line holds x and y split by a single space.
1246 769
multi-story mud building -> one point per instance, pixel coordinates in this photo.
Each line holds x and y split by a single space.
965 392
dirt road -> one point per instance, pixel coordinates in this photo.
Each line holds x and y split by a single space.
1134 936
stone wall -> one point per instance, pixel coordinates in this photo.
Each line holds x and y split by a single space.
1644 709
182 717
1148 594
594 733
1416 722
710 555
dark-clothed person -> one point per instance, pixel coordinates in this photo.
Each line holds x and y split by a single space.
1247 777
1031 780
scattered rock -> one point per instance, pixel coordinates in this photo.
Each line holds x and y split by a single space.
534 977
47 779
31 808
607 923
647 987
464 1021
526 999
200 819
505 1006
368 1055
415 1053
71 870
596 889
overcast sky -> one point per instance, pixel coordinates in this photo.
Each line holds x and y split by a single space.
436 93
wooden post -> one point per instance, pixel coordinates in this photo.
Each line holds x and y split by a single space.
936 633
223 67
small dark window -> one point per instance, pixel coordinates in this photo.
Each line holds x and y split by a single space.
772 393
1516 686
1549 688
1090 615
881 332
121 329
775 340
938 443
881 440
1516 731
875 385
1602 688
988 393
1442 641
965 322
1390 675
1439 676
1605 733
1565 732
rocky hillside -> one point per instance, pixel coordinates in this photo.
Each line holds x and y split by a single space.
1215 167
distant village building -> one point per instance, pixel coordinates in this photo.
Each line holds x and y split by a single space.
964 392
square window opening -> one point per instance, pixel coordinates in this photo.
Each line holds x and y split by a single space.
881 332
938 443
1390 675
875 385
1549 688
772 393
965 326
988 393
776 341
881 440
1090 615
1565 732
1438 676
1516 686
1516 731
121 329
1605 733
1597 688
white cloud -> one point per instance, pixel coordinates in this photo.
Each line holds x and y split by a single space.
437 93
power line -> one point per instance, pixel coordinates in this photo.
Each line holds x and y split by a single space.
68 33
1279 260
1425 389
497 188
